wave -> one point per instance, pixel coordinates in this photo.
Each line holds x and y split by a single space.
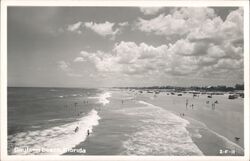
102 98
160 132
62 119
57 138
35 127
52 120
72 95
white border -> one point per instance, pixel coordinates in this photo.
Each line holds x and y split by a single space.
3 82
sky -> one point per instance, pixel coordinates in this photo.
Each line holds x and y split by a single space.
124 46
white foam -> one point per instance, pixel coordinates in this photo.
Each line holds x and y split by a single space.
52 120
58 137
160 133
35 127
102 98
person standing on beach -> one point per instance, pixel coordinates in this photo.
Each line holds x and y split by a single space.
213 106
186 103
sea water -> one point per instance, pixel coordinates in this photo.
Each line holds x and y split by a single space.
44 120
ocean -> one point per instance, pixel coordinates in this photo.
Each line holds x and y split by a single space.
47 117
108 121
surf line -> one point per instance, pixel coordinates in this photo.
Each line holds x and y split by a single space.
169 127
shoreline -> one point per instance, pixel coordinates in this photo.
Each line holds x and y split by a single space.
211 142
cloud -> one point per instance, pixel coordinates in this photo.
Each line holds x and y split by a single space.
123 24
64 66
183 47
207 48
183 58
206 43
126 57
162 25
79 59
106 29
75 27
196 24
103 29
150 10
179 22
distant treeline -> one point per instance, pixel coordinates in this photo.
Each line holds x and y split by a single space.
195 88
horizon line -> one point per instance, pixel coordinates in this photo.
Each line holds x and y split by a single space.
125 86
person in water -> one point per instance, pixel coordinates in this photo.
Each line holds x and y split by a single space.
88 132
76 129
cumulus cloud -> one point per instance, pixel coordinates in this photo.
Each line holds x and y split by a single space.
65 67
75 27
104 29
207 43
162 25
150 10
209 47
79 59
123 24
126 57
183 58
180 22
195 24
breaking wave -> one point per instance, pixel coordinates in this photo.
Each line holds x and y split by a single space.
102 98
60 137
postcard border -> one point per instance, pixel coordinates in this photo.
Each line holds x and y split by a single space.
3 94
